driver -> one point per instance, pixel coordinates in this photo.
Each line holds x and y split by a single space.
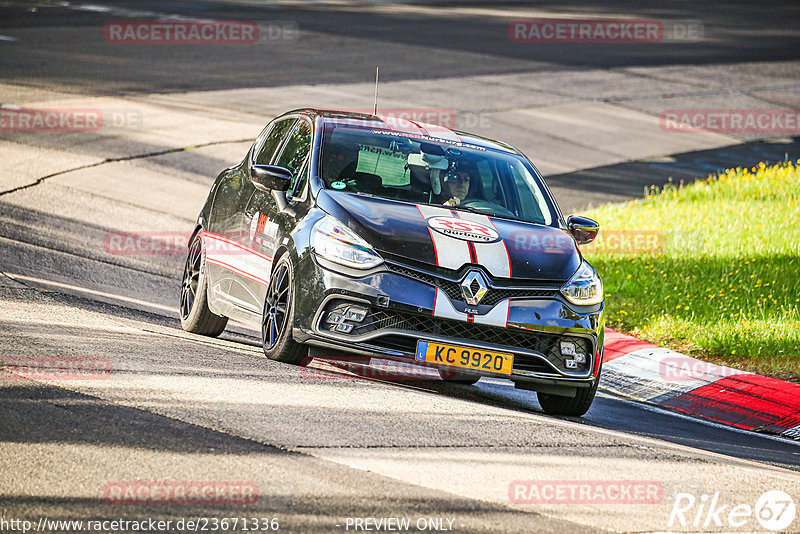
456 188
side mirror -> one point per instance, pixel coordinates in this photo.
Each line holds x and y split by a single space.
583 229
269 177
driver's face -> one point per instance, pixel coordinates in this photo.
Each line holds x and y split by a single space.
460 187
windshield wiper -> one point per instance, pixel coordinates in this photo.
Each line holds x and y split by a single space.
471 210
481 212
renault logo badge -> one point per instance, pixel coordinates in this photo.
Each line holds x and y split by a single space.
474 288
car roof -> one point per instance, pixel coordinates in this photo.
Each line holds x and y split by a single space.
402 125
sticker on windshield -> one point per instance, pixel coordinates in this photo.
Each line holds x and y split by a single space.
338 185
463 229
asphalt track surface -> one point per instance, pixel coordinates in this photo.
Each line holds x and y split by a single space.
321 446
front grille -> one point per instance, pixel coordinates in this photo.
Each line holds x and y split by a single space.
493 296
453 289
511 339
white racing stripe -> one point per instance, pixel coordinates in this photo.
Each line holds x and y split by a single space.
401 125
433 130
451 253
493 256
497 316
237 258
442 307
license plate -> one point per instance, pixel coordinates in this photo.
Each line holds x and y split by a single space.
465 357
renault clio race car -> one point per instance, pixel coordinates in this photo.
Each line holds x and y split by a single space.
354 234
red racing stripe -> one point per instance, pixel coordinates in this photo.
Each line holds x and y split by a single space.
237 245
418 125
435 253
237 271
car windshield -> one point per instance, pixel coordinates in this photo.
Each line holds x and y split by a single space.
461 176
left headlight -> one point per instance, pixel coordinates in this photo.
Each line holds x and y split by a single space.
585 287
335 242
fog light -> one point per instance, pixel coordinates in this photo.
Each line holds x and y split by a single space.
355 313
568 348
333 318
344 327
571 364
580 358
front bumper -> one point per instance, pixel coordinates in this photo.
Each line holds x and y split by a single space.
401 309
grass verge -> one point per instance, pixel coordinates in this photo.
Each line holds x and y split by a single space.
709 269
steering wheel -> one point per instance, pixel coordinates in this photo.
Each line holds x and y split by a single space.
485 205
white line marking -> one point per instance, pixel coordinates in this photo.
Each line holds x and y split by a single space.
168 309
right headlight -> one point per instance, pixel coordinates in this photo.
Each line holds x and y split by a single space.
335 242
585 287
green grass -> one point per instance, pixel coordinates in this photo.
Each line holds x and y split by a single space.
718 278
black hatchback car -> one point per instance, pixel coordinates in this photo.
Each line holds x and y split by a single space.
348 234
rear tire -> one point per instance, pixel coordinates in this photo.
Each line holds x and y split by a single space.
195 315
278 316
572 406
457 377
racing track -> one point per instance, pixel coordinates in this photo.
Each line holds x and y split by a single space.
321 446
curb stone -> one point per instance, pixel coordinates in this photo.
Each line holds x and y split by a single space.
671 380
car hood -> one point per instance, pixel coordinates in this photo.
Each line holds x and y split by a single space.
444 238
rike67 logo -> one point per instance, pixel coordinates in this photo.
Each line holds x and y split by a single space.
463 229
774 510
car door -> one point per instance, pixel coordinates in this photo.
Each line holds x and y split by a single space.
268 221
231 267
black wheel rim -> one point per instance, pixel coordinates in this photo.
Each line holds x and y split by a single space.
276 306
191 278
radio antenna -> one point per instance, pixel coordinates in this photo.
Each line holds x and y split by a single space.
375 107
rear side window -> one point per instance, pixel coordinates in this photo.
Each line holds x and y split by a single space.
273 141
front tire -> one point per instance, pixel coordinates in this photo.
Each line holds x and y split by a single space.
195 315
278 316
572 406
